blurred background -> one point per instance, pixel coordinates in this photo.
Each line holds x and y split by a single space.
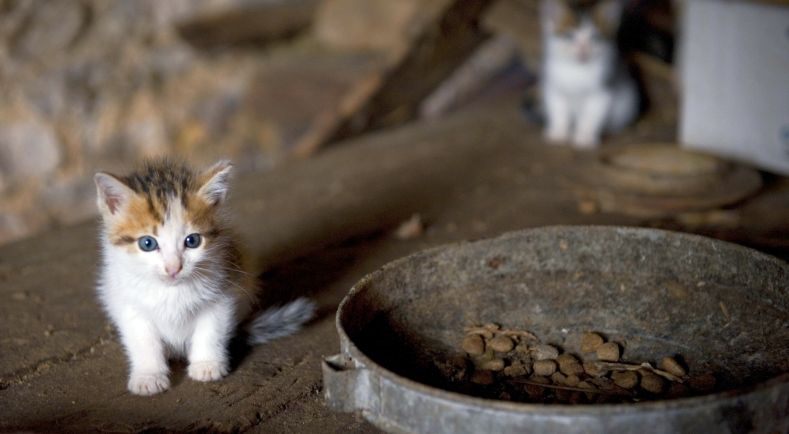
89 84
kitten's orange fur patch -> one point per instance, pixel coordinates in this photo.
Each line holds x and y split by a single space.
133 222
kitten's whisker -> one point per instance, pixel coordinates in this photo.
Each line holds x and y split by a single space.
235 267
223 281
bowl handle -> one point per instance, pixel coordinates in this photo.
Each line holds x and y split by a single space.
346 385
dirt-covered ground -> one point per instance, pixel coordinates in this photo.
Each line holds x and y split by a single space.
315 227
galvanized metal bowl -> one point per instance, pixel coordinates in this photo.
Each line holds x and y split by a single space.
723 308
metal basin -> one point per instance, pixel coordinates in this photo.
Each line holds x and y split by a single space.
722 308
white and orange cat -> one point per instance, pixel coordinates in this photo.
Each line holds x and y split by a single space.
172 279
586 89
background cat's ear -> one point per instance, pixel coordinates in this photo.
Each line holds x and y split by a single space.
607 15
555 14
217 181
113 194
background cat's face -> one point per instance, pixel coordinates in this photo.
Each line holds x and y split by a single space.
165 221
580 34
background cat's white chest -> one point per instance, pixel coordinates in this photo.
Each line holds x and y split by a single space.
576 79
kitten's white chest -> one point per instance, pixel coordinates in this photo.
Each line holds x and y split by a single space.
171 309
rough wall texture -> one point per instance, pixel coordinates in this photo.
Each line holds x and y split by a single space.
98 83
88 84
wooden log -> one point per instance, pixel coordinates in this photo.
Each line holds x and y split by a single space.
249 25
392 97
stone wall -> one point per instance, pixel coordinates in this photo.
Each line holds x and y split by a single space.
87 84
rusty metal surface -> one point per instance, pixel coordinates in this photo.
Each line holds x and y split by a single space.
721 307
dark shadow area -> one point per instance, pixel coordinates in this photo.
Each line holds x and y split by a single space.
316 276
316 273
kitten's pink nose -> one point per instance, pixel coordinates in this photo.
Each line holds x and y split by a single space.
173 269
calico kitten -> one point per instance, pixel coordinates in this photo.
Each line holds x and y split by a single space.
586 89
172 278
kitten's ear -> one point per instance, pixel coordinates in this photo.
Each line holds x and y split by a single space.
607 15
555 14
113 194
217 181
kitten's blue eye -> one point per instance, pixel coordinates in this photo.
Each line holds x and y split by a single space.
148 244
193 241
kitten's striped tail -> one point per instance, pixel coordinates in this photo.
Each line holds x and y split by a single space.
280 321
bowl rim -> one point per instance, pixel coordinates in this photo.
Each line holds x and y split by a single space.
688 404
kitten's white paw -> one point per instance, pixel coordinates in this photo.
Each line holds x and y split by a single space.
207 371
148 384
557 136
585 141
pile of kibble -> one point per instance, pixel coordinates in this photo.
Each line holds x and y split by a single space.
513 365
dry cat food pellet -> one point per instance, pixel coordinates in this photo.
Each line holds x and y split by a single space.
544 368
558 378
545 352
569 365
513 365
594 369
590 342
493 365
564 359
704 383
483 377
573 368
608 352
672 367
572 380
501 344
651 382
473 344
517 369
625 380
